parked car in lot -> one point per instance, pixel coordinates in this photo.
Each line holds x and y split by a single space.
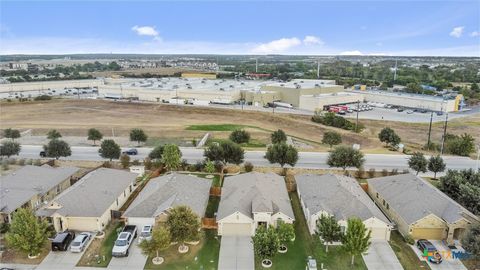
409 112
62 241
423 111
439 113
124 241
131 152
80 242
427 247
43 153
145 233
400 109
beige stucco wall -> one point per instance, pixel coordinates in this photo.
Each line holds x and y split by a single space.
312 103
292 95
410 101
28 86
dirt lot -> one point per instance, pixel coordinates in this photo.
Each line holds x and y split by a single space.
74 117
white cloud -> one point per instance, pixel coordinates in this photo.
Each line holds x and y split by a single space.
312 40
146 31
277 46
356 52
457 31
475 34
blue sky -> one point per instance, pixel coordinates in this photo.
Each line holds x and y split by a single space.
449 28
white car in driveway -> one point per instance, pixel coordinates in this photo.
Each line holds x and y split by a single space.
145 234
80 242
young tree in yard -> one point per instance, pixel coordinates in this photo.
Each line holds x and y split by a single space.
345 156
418 162
10 149
278 136
53 134
57 148
171 157
157 152
225 152
265 242
109 149
285 232
160 241
94 135
184 224
436 165
388 136
328 230
356 239
11 133
27 233
471 240
138 135
125 160
282 154
332 138
240 136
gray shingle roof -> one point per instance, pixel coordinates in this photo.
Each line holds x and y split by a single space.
168 191
92 195
414 198
338 195
20 186
254 192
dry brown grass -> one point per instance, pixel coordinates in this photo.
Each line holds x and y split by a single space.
74 117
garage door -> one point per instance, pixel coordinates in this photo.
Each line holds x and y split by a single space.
236 229
379 233
428 233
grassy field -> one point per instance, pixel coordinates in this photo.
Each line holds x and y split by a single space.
304 246
183 123
202 256
407 257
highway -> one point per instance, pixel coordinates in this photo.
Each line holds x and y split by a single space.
309 160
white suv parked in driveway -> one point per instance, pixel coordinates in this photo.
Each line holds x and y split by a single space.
80 242
145 234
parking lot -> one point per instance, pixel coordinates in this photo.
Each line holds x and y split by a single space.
448 263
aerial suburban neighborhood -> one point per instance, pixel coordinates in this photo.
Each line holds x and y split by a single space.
239 135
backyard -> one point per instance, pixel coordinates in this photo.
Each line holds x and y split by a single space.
202 256
304 246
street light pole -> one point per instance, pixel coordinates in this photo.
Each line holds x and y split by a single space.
430 130
444 134
358 109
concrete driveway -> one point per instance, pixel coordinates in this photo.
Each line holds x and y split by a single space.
447 263
60 260
236 253
135 260
380 256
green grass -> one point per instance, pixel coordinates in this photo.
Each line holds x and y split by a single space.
407 257
218 127
251 144
212 206
105 248
203 256
304 246
215 180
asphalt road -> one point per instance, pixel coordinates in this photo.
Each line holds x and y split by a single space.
310 160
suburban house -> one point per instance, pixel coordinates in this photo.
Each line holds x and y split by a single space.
32 187
165 192
88 204
420 209
250 200
342 197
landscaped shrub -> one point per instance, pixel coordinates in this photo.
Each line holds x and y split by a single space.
199 166
248 166
43 97
409 240
37 162
331 119
371 173
107 164
136 162
12 161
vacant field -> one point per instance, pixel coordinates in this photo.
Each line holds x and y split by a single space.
74 117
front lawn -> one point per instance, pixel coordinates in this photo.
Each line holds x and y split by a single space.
219 127
202 256
99 253
304 246
253 143
407 257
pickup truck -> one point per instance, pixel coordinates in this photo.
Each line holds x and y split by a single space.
124 241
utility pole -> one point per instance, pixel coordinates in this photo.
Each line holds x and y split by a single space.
430 129
256 65
444 134
358 109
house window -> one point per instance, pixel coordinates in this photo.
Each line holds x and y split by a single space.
124 193
117 201
130 188
58 189
388 206
383 202
377 195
